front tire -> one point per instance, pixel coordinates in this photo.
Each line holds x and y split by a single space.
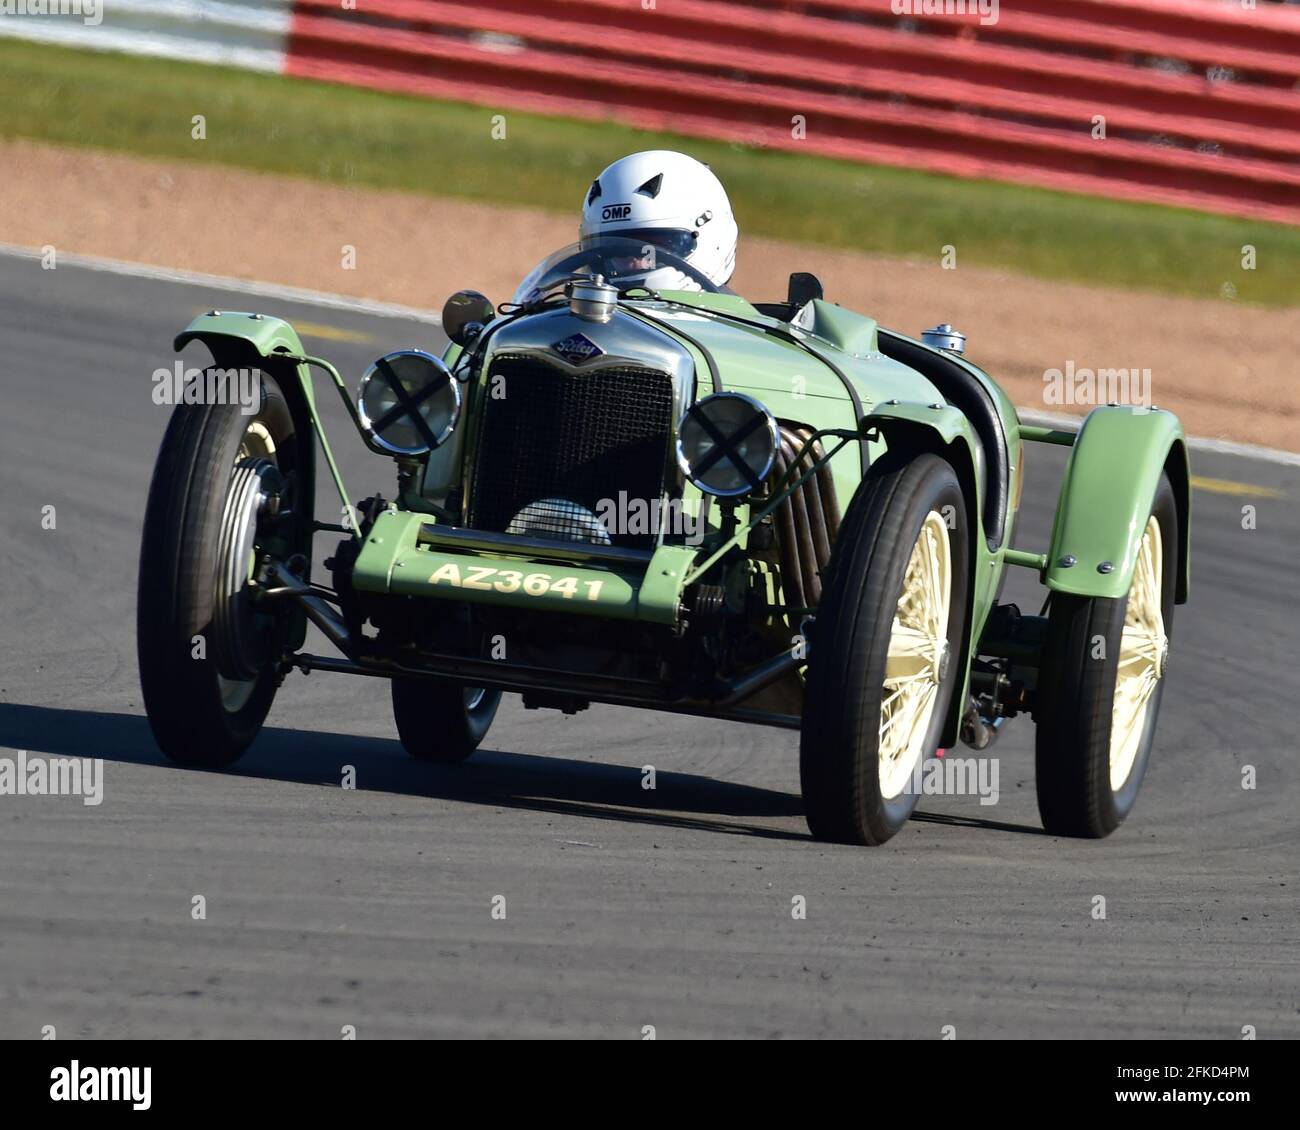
1100 684
442 721
208 660
884 658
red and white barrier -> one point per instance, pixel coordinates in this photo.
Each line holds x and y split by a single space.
240 33
1191 102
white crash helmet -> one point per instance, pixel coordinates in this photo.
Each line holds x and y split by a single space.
673 202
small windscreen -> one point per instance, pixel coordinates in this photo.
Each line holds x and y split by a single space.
650 259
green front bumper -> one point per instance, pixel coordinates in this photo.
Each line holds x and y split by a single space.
406 555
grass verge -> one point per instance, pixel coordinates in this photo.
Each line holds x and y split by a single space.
341 134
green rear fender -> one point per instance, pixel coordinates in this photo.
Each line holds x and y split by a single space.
1110 482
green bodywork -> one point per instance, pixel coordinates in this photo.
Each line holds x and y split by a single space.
243 340
257 341
1107 492
263 335
394 560
1114 469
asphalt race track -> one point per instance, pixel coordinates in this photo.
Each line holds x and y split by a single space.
625 908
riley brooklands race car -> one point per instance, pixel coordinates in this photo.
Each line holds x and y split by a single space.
775 513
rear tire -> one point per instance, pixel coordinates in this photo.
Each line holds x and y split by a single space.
199 716
442 721
905 534
1086 783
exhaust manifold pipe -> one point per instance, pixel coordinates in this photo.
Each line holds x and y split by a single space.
807 523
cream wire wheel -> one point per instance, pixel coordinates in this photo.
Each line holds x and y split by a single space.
918 657
1143 654
256 443
883 663
1100 680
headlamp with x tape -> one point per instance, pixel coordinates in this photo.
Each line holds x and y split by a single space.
408 402
726 444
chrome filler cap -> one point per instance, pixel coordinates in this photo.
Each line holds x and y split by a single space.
943 336
594 300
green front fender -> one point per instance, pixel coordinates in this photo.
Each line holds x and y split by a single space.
258 341
264 336
253 341
945 420
943 428
1110 482
946 426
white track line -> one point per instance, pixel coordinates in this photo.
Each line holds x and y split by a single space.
1197 443
225 282
411 313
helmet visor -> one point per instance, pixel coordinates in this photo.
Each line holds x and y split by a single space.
677 242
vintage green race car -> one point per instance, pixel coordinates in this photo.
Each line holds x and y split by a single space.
775 513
